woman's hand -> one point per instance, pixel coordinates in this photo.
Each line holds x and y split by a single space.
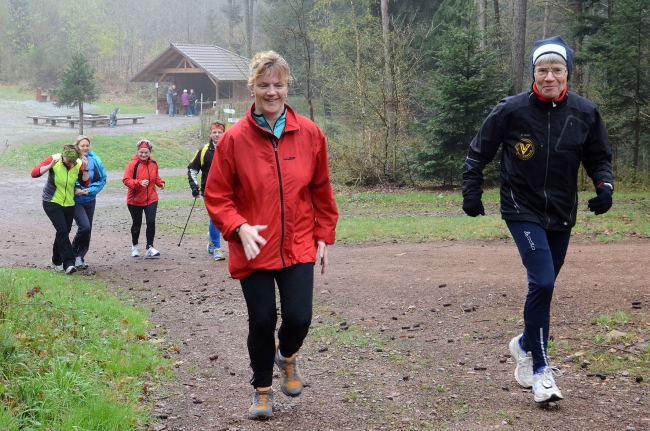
251 240
80 192
323 255
84 162
145 183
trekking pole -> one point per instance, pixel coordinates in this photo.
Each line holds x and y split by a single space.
188 220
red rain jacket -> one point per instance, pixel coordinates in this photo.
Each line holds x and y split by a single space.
139 195
283 183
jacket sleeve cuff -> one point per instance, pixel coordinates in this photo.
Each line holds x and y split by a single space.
325 235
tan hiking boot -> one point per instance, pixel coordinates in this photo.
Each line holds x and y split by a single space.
262 406
291 381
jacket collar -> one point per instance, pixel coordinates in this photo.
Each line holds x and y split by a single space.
291 120
534 97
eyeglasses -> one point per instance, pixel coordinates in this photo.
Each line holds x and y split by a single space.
542 72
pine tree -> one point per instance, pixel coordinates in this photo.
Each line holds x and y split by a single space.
464 86
77 86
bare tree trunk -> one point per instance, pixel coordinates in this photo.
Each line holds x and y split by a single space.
390 110
497 24
547 15
357 70
248 12
231 35
518 44
81 118
577 75
482 23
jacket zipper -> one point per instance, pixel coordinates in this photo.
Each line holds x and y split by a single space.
274 142
548 155
65 193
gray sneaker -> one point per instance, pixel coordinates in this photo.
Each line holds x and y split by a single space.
262 406
544 387
524 370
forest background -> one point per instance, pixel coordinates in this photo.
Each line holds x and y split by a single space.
399 87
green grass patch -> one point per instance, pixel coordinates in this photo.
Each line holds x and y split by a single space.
16 93
172 184
105 108
72 356
114 151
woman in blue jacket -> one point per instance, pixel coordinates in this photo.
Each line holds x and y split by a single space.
84 208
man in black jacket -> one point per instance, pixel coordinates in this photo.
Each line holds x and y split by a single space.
201 162
545 133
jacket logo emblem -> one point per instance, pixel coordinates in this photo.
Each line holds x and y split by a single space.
525 149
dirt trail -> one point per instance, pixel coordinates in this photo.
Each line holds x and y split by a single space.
404 337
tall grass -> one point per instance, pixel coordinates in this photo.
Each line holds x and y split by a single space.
71 355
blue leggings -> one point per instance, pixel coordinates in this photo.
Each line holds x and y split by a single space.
542 253
215 235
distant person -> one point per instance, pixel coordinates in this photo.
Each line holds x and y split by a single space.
193 102
113 118
185 101
85 198
141 177
64 170
170 100
545 134
201 162
269 193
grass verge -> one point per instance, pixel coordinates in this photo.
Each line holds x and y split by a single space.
114 151
410 216
72 356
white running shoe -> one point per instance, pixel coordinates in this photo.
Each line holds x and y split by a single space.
70 270
79 263
134 251
152 253
544 387
524 370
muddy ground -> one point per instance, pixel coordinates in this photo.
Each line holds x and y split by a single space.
404 336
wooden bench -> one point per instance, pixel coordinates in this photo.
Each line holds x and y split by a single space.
91 119
135 119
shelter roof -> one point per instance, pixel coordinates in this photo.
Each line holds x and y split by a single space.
217 62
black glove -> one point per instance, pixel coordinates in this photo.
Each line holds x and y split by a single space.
603 202
473 207
195 192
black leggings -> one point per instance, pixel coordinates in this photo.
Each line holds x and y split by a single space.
296 287
150 217
61 218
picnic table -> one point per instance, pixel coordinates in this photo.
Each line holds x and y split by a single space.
92 119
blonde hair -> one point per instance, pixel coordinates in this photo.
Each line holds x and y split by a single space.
268 62
81 138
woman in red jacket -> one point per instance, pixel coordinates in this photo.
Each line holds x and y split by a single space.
269 193
141 177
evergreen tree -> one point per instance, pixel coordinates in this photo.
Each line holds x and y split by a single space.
77 86
463 88
620 55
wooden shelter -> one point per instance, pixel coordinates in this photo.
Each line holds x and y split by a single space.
220 75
